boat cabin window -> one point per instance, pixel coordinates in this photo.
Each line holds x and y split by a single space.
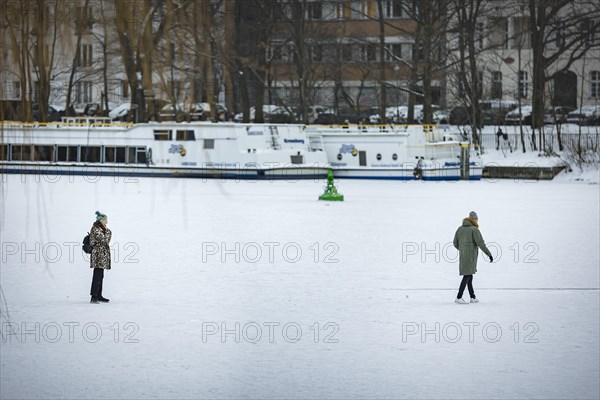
67 153
297 159
4 152
186 135
162 134
378 156
137 155
114 155
43 153
209 143
394 156
90 154
21 152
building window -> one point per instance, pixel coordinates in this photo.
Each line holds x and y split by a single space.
369 53
393 9
522 36
124 88
398 50
84 17
559 38
85 55
359 9
314 10
316 53
174 89
498 36
496 85
479 36
15 88
83 92
347 55
595 84
523 84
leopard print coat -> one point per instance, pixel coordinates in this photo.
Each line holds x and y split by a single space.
99 239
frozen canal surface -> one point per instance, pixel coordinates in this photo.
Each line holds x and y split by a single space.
256 290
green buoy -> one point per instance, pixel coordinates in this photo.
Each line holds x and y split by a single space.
331 193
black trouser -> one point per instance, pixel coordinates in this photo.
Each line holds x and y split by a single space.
96 291
467 280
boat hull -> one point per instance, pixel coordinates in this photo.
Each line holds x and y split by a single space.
50 172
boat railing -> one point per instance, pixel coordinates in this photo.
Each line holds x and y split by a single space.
68 122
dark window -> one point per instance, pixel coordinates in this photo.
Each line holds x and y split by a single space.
162 134
378 156
347 52
496 85
523 84
339 156
114 154
137 155
595 84
186 135
4 152
209 143
393 8
121 154
43 153
21 152
394 156
315 11
90 154
67 153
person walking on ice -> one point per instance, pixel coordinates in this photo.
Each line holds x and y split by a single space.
468 241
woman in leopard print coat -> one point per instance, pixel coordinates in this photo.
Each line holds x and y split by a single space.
100 260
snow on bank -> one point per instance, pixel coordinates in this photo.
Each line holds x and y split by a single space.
206 303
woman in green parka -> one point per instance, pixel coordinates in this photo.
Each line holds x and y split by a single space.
468 241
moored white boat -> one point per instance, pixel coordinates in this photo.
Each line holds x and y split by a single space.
94 146
403 152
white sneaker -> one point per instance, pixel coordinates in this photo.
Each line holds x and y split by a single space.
474 300
460 301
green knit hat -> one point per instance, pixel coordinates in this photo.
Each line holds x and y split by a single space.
100 216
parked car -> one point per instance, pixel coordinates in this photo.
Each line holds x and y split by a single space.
345 116
267 109
586 115
120 112
206 112
182 112
312 113
556 115
493 112
519 116
54 112
391 115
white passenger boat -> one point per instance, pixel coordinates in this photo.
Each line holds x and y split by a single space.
95 146
403 152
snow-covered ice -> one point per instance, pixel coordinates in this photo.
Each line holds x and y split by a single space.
370 283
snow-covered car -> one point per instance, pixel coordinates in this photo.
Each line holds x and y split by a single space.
184 112
556 115
120 112
79 108
439 116
54 113
519 116
586 115
391 115
267 109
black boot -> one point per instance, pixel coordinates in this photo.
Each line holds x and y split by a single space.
103 300
94 300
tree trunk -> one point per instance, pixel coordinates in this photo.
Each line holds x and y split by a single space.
382 82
